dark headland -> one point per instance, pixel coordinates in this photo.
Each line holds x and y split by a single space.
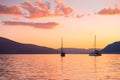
8 46
112 48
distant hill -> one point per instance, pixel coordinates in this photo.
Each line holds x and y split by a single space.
112 48
8 46
78 50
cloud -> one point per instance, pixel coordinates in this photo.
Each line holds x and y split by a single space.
67 10
41 9
114 8
14 10
79 16
49 25
38 10
109 11
59 1
61 8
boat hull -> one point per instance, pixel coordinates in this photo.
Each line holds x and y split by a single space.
63 54
91 54
95 53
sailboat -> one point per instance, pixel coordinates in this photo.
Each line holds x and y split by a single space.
62 52
95 52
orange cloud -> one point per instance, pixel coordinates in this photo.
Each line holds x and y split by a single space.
49 25
40 10
43 6
79 16
109 11
67 10
43 9
61 8
57 11
14 10
59 1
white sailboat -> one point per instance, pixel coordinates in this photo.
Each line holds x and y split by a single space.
95 52
62 52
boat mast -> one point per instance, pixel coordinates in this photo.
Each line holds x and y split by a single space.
95 42
61 45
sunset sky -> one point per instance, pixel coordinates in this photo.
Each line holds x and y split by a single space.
44 22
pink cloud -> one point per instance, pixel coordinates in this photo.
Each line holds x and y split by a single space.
14 10
59 1
109 11
40 10
49 25
80 16
61 8
67 10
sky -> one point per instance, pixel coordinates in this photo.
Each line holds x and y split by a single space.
45 22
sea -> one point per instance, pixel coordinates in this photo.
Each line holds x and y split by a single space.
55 67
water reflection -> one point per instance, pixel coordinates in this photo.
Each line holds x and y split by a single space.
106 67
53 67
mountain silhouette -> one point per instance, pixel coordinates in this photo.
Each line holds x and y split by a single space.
112 48
8 46
78 50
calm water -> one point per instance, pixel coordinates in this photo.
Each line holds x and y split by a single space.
53 67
